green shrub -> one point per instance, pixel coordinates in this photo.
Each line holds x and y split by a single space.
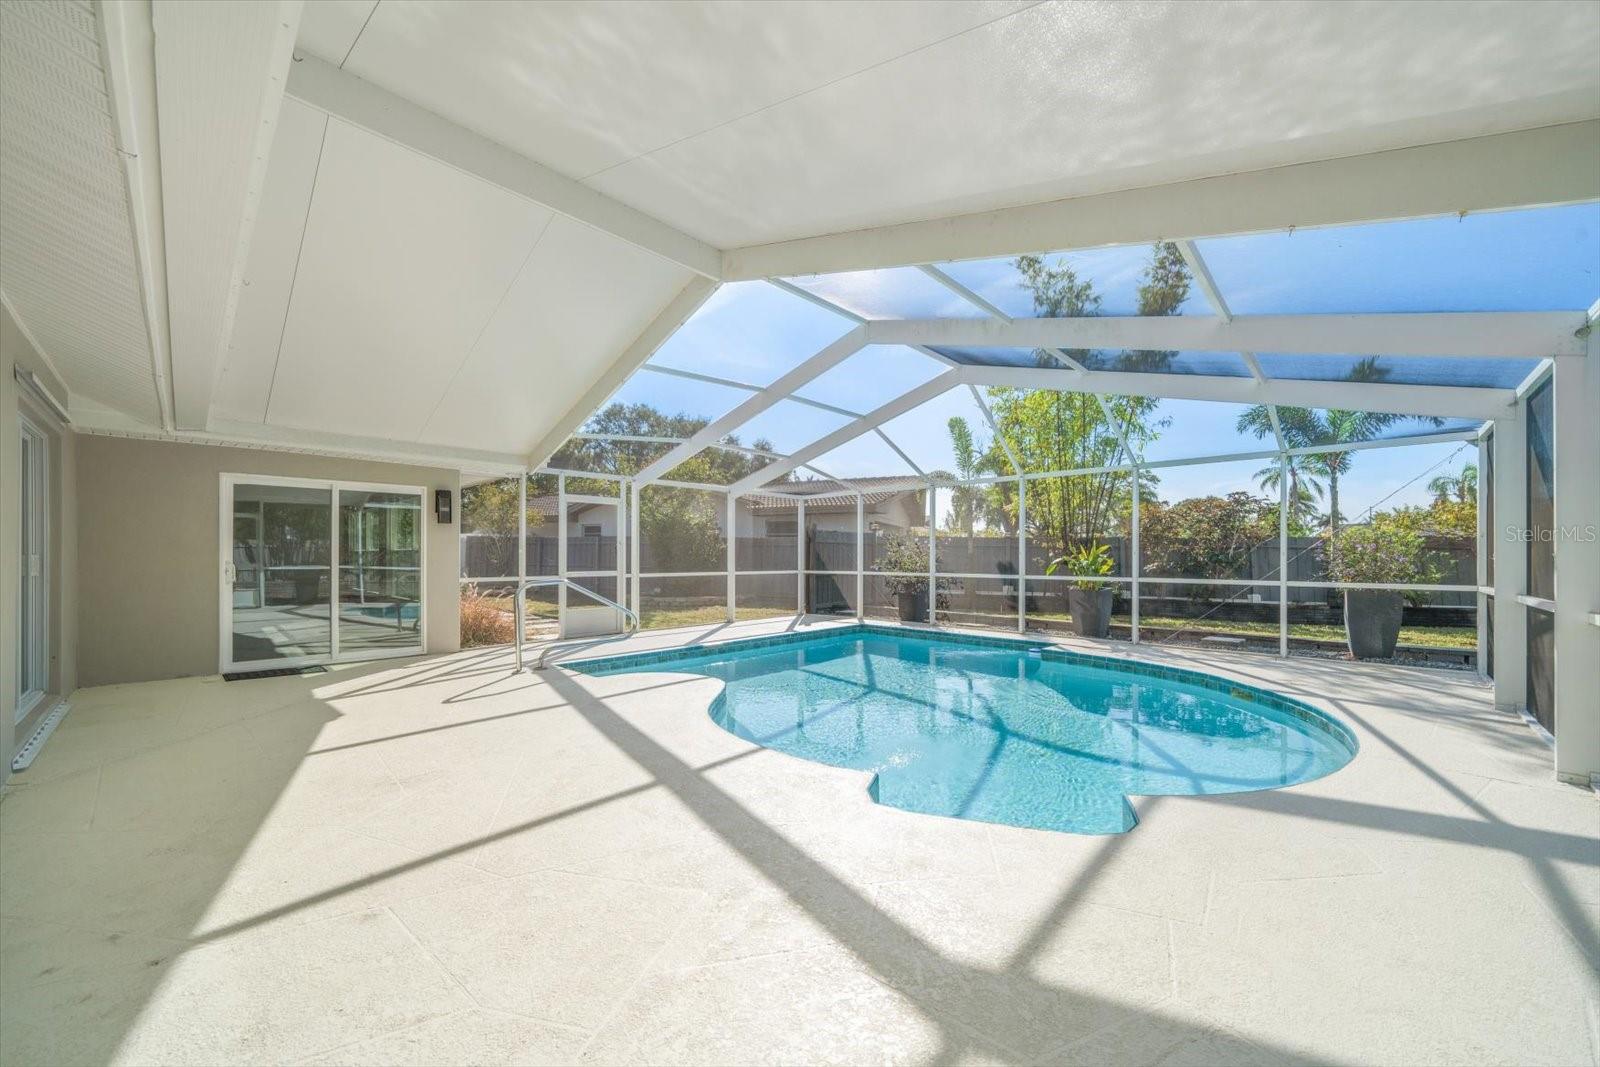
1085 561
1387 550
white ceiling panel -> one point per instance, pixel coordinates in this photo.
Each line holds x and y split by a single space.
67 260
582 86
582 298
1068 99
329 28
403 263
258 324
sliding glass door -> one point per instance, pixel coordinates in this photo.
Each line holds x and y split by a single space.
380 571
293 548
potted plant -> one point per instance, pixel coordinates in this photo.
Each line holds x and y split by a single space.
1089 601
1387 551
906 560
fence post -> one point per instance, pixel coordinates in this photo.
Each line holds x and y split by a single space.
861 557
518 602
1022 554
1481 545
1510 491
933 563
800 556
733 555
633 549
1134 552
561 550
1283 554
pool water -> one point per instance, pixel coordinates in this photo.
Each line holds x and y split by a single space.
997 731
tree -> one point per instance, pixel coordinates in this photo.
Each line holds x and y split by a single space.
683 526
975 505
490 507
1052 430
1305 490
1307 427
1461 486
1206 537
712 466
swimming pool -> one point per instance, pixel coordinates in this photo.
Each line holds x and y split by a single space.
1004 730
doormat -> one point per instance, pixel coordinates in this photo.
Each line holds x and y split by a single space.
281 672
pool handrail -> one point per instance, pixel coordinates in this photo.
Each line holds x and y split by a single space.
631 620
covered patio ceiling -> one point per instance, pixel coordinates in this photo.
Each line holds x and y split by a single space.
448 233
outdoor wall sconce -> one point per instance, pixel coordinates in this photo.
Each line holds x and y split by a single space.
441 505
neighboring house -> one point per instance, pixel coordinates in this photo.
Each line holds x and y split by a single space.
831 505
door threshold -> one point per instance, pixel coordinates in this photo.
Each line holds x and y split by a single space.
276 672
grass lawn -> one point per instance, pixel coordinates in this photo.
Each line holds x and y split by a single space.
666 619
1435 636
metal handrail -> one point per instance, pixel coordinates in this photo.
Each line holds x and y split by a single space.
544 580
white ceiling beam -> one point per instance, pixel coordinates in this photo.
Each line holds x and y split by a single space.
845 434
688 375
663 326
1438 400
127 38
963 292
1549 165
821 301
360 103
994 428
1208 287
1202 278
220 72
1502 334
93 419
899 451
718 428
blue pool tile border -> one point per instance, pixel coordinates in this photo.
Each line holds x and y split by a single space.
627 661
1251 694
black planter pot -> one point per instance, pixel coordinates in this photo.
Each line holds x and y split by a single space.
1091 611
913 605
1372 621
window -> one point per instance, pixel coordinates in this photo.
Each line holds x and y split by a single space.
781 527
591 529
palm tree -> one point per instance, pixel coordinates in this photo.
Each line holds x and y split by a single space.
1462 486
1307 427
965 500
1305 491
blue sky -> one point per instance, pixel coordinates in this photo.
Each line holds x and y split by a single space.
1533 260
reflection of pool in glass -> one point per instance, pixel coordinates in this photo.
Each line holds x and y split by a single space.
997 730
407 611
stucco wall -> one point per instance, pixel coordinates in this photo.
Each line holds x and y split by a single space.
149 564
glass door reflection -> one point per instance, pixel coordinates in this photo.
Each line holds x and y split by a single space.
380 571
279 569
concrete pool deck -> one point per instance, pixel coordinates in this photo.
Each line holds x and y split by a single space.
433 860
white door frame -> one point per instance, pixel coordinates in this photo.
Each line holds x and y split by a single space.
582 617
34 450
226 483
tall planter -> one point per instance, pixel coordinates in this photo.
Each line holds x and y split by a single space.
1091 611
913 605
1372 622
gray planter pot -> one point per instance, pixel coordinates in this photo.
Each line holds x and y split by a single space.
1372 621
1091 611
913 606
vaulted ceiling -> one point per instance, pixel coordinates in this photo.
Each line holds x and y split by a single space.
447 229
